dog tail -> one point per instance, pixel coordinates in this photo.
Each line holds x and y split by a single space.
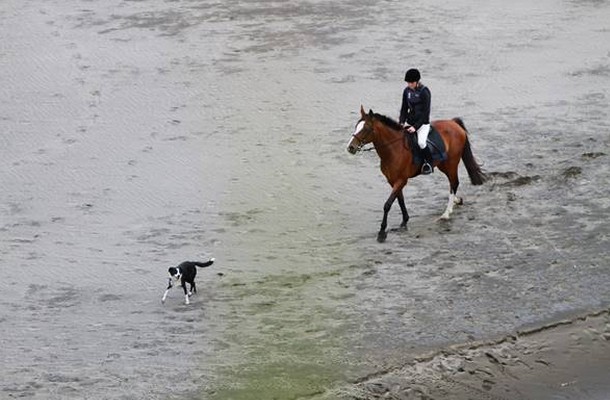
204 264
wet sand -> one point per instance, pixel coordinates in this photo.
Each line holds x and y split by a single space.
565 359
138 134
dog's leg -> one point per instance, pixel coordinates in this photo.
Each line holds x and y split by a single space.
186 294
169 286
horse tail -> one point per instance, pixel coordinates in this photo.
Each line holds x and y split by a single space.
460 123
477 176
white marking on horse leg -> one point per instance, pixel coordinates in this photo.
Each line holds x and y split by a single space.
164 296
452 199
186 299
449 208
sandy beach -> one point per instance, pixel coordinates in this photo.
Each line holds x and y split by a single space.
567 359
136 134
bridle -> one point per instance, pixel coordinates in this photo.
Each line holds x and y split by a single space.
361 144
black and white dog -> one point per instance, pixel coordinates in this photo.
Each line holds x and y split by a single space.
185 273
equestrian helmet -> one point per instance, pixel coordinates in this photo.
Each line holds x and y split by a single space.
412 75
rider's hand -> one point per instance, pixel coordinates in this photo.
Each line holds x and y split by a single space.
410 129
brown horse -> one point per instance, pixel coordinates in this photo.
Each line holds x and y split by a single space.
388 138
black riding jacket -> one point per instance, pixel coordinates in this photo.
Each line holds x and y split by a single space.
415 109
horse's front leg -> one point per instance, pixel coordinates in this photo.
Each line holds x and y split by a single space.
403 208
382 235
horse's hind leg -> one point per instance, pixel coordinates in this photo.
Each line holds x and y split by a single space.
454 183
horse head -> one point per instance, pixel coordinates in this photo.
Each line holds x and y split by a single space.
363 133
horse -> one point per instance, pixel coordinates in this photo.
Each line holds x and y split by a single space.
397 165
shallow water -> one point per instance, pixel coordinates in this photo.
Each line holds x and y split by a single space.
138 134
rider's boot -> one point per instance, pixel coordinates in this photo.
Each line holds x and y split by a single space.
427 167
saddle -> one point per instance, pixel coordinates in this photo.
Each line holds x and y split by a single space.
435 144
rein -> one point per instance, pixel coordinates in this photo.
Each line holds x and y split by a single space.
383 145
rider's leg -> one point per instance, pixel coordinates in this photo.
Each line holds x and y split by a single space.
422 138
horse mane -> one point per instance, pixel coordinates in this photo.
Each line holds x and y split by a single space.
388 122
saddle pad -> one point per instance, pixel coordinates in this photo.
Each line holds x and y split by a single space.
435 144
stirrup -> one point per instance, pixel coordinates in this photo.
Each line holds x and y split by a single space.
426 168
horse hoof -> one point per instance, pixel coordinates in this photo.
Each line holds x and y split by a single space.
381 236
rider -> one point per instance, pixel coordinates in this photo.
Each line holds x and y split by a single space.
415 114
